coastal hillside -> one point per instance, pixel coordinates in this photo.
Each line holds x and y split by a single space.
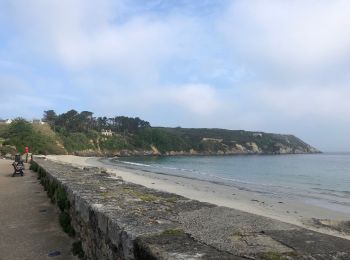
222 141
82 134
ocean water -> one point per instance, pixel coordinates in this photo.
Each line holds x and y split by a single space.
315 178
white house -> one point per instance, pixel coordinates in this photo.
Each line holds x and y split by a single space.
107 132
6 121
38 121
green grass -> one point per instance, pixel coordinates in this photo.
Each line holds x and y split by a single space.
171 199
173 232
275 255
140 195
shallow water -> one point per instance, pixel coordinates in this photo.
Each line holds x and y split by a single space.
318 179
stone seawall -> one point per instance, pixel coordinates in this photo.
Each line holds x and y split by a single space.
113 219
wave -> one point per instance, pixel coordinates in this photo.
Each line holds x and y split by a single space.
332 192
134 163
272 190
208 176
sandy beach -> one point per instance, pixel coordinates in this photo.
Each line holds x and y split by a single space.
302 214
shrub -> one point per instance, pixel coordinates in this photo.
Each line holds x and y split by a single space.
61 199
65 222
77 249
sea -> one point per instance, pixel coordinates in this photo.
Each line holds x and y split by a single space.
319 179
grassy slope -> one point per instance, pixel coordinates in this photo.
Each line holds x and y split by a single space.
39 139
55 145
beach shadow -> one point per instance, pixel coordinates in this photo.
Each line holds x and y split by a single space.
13 176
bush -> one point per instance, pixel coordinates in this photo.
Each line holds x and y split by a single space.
61 199
33 166
76 142
77 249
113 143
7 149
164 141
65 222
21 133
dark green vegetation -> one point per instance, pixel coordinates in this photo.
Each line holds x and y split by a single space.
172 232
20 133
83 134
77 249
65 221
221 139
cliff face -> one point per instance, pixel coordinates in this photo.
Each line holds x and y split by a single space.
211 142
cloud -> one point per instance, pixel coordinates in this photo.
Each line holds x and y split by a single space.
199 99
89 34
195 100
323 102
137 45
259 65
297 35
18 98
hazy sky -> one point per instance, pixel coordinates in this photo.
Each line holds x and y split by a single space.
276 66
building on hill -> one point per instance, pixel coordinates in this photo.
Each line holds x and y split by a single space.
107 132
38 121
6 121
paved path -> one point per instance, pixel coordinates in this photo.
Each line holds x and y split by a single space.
29 226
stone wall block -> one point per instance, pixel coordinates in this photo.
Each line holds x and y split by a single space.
82 208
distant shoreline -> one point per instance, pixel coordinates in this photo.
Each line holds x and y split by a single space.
135 153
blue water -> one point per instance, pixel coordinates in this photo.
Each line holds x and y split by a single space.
311 176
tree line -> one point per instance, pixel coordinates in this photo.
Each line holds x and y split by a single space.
73 121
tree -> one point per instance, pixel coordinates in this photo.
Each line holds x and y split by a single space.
102 123
73 121
20 134
84 121
50 117
68 120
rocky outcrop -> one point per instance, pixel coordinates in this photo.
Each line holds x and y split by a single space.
237 149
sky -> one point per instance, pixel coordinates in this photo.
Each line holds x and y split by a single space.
274 66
